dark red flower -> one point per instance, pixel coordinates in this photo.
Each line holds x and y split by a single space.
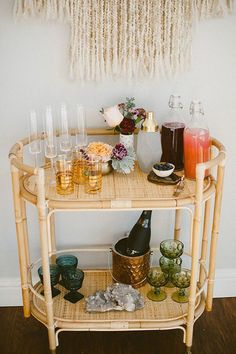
127 126
119 152
141 112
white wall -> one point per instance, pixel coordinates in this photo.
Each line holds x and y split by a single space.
34 72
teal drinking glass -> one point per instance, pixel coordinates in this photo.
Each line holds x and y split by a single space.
54 278
72 280
65 262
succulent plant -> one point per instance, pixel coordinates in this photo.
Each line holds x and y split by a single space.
123 159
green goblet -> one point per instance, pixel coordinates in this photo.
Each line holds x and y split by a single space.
182 281
170 266
171 248
65 262
54 278
157 278
73 279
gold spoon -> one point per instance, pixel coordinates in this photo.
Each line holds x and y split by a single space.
179 187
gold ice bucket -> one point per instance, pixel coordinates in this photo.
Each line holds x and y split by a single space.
129 270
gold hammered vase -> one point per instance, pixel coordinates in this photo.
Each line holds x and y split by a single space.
130 270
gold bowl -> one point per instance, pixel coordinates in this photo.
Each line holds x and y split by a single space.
106 168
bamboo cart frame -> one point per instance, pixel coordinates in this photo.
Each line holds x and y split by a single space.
43 308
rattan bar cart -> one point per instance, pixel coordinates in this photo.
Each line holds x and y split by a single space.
30 185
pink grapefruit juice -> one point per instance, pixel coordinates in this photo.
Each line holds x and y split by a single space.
196 150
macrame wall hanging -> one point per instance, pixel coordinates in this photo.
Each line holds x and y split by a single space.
134 39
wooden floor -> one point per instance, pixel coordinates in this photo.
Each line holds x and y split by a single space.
215 333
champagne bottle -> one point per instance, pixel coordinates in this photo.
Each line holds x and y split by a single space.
139 237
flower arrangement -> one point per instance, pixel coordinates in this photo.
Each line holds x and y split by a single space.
124 117
123 159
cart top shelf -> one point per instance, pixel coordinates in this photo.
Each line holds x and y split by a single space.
119 191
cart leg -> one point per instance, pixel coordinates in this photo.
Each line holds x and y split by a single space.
26 236
205 238
21 241
195 256
188 350
214 235
52 237
24 220
42 214
177 224
52 340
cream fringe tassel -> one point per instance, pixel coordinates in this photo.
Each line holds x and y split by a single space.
133 39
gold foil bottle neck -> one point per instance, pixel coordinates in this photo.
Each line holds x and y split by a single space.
149 125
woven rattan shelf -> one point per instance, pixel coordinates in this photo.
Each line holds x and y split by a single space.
119 192
152 315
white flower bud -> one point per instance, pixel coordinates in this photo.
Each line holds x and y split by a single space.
112 116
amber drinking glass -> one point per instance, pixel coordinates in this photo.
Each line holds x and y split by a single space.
93 175
64 175
78 165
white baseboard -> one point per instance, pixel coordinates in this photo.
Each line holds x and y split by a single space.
225 282
225 286
10 292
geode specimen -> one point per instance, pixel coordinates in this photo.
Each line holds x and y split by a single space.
115 297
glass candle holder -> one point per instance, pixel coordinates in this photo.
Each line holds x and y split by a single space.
157 278
93 175
64 175
182 281
54 278
73 279
78 165
171 248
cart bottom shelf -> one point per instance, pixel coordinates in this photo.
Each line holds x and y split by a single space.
155 315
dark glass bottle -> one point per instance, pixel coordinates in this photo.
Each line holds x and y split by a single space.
172 134
139 237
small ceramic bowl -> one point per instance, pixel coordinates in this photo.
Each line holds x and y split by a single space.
159 169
